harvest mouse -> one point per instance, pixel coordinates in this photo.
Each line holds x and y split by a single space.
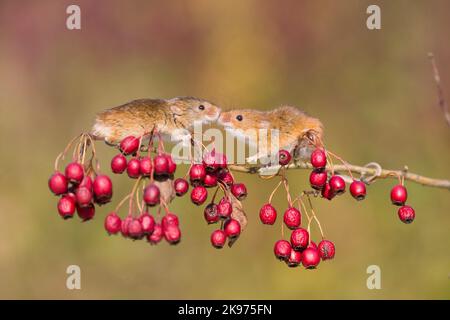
295 130
172 118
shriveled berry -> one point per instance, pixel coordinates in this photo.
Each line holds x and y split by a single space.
113 223
74 172
210 213
147 223
358 190
282 250
197 174
145 166
310 258
299 239
295 258
232 228
103 190
156 235
118 164
284 157
224 208
399 195
86 213
133 168
181 186
318 159
292 218
151 195
239 190
83 196
57 183
406 214
160 164
337 185
66 207
318 179
218 238
268 214
129 145
199 195
172 234
326 249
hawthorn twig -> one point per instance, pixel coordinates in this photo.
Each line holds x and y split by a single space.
437 79
381 174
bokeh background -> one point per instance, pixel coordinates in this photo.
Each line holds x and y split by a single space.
373 90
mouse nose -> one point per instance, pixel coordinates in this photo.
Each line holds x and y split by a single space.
224 118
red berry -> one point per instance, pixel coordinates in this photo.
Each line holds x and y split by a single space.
147 223
268 214
318 159
310 258
199 195
83 196
66 207
326 192
135 231
156 235
406 214
129 145
151 195
232 228
326 249
133 168
218 238
170 219
57 183
313 245
145 166
399 195
284 157
292 218
124 225
161 165
74 172
181 186
210 180
118 163
86 213
87 183
226 177
282 250
299 239
239 191
113 223
318 179
102 187
358 190
214 160
295 258
224 208
172 234
197 174
171 165
337 185
210 213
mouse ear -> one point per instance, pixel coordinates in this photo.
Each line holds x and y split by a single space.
175 109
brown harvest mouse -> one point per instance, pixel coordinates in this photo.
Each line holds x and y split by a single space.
172 118
295 130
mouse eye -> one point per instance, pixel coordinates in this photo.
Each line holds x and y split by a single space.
201 107
239 118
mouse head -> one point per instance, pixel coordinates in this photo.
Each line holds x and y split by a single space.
243 119
194 109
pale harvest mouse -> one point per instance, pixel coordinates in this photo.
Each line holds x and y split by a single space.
172 118
295 128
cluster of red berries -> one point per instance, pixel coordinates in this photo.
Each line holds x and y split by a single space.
80 188
399 195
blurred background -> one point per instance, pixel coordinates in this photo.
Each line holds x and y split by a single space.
373 90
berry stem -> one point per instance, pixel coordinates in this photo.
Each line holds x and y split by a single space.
314 215
343 162
274 190
63 154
